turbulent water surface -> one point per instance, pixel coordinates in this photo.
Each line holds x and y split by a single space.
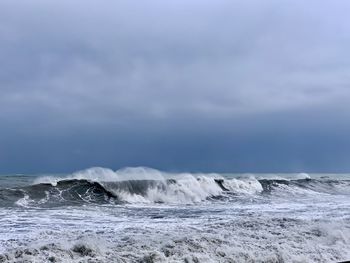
144 215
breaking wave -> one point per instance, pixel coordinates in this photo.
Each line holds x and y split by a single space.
145 185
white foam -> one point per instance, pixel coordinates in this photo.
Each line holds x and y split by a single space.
112 235
185 189
24 202
244 186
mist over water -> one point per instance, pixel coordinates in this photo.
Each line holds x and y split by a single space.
146 215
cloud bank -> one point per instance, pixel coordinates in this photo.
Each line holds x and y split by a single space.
201 85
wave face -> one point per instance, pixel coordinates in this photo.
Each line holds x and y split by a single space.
145 185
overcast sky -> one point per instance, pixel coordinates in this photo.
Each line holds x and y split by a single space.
186 85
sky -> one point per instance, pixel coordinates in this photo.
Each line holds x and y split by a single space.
186 85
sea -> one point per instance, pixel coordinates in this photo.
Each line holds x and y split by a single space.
141 214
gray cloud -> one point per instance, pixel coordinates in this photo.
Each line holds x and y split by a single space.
120 66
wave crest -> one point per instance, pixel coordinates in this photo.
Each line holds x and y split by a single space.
146 185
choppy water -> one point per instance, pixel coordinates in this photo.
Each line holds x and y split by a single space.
144 215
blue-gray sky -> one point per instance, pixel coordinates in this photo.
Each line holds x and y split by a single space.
188 85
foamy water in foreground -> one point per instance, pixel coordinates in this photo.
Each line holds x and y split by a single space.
144 215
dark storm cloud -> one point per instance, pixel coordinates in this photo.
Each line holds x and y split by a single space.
174 84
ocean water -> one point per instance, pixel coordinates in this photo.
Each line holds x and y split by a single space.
145 215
